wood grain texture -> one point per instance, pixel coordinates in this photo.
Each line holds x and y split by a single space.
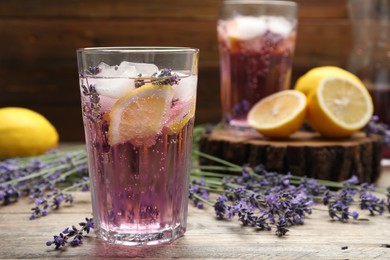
302 154
206 238
39 39
154 8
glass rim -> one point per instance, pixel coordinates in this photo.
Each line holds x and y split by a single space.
137 49
261 2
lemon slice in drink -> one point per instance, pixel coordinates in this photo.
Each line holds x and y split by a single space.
139 116
339 107
279 114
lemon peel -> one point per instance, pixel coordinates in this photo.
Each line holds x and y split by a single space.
308 82
24 132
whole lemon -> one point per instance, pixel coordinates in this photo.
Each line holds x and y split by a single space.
308 82
24 132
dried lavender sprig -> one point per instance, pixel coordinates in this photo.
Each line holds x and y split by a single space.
197 194
161 77
165 77
32 176
216 159
339 204
74 234
83 183
56 165
368 201
216 168
243 194
52 200
228 166
255 208
55 199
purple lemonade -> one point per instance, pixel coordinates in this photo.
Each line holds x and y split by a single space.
256 56
381 99
138 123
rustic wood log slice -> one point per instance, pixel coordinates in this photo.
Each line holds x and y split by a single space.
302 154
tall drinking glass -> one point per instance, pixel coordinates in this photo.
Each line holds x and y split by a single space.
370 53
256 44
138 107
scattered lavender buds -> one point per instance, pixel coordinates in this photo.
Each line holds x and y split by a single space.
264 199
72 234
370 202
269 200
339 204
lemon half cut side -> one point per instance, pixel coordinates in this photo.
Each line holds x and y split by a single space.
278 115
339 107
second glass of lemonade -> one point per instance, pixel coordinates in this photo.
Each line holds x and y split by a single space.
138 107
256 44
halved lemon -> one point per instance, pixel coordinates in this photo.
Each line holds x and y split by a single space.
278 115
339 107
140 115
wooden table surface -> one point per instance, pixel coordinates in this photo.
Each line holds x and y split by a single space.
206 237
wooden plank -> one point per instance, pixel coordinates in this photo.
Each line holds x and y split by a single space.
205 9
329 9
323 39
136 9
38 40
206 237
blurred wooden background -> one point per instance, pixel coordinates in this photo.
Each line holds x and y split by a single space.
38 42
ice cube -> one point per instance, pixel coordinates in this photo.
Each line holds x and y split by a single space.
114 81
145 69
186 89
123 70
113 87
246 27
279 25
103 66
126 69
